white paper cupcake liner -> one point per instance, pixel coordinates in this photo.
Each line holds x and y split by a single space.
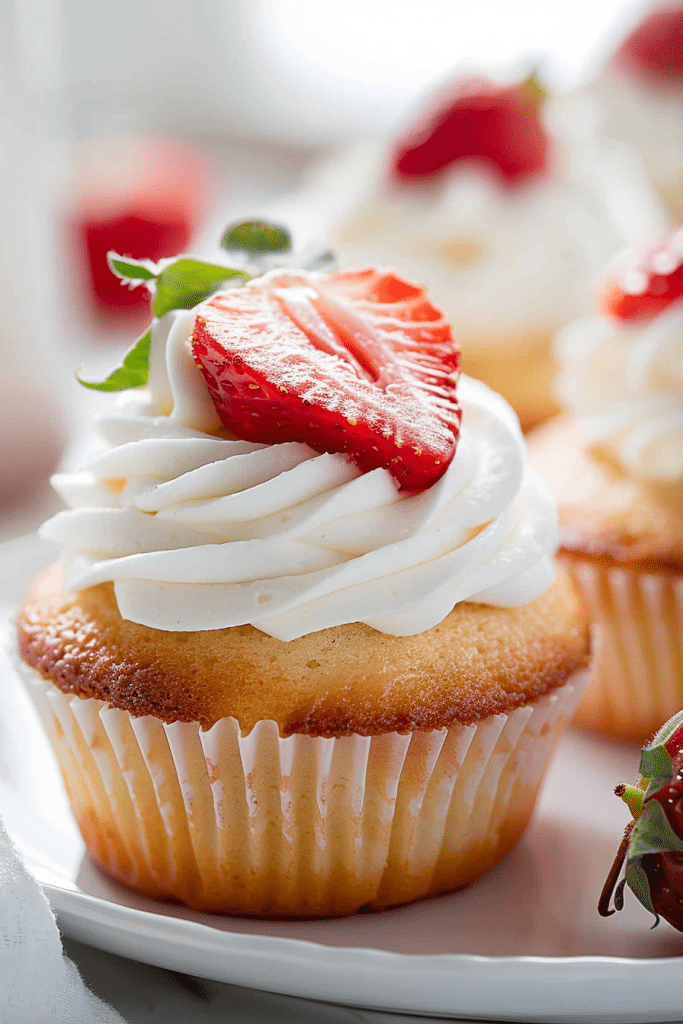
637 678
303 826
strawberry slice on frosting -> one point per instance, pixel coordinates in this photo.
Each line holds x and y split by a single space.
357 361
645 286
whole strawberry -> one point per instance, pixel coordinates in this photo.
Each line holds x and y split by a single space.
473 118
654 48
648 283
653 842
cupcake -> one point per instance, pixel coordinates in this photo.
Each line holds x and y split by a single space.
638 98
507 224
304 651
616 467
652 846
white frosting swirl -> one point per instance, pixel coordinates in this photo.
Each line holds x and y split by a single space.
198 530
500 261
625 384
648 115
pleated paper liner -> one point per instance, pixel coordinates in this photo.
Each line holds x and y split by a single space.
637 678
300 826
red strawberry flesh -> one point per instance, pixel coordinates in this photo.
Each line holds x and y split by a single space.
476 119
665 870
665 876
649 284
359 362
654 48
674 744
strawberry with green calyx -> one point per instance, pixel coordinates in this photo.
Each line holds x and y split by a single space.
643 287
473 118
653 842
357 361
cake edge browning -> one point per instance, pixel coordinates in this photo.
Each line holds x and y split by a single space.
605 516
478 662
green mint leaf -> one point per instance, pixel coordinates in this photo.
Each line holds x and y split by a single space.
176 284
130 270
186 281
133 371
256 237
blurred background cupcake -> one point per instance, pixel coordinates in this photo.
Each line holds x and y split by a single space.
507 221
637 97
616 466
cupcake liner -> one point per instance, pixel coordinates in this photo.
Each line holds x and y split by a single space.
637 678
302 825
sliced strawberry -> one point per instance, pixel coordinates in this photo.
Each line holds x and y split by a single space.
649 284
358 361
474 118
655 46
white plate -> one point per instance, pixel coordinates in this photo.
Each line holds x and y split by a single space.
524 943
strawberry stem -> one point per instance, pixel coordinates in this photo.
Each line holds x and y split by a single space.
632 797
614 872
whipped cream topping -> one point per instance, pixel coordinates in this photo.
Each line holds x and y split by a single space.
198 530
624 381
500 261
648 115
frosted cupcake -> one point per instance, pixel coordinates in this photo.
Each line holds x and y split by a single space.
638 97
616 468
506 224
304 652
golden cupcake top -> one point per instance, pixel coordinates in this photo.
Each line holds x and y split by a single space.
336 681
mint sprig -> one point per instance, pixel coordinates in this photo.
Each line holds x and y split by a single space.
174 284
256 238
186 281
131 271
133 371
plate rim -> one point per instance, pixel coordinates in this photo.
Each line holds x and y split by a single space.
77 896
